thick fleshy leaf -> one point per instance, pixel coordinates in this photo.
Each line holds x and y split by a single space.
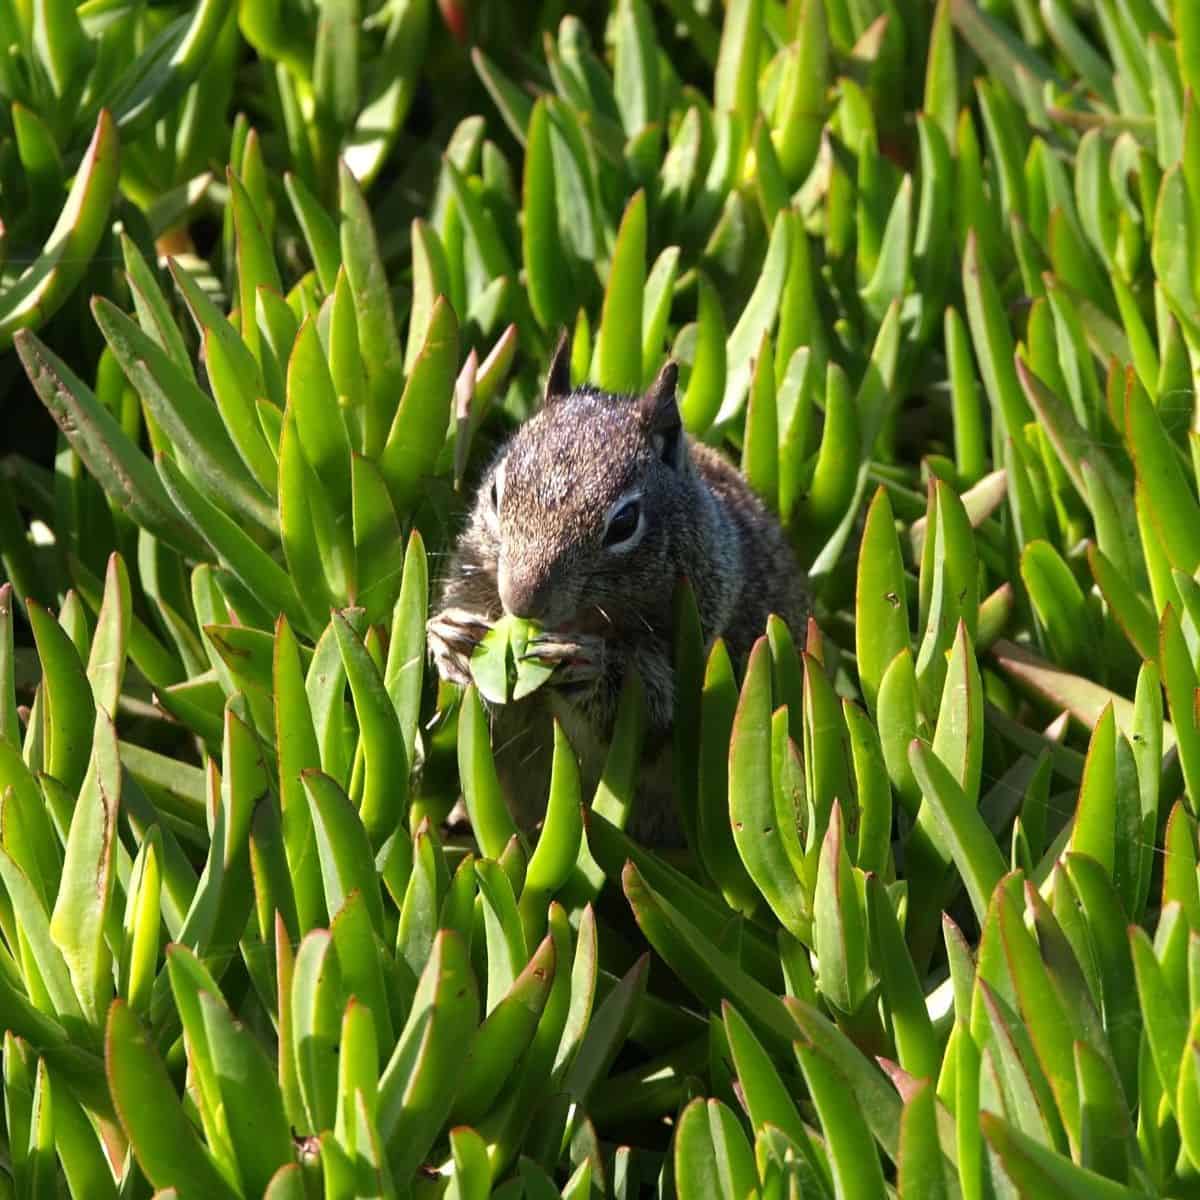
558 843
362 966
377 332
856 1167
163 1138
549 284
317 1002
734 87
385 769
205 452
422 418
712 1155
254 568
490 818
40 290
1164 1019
709 973
702 398
619 342
347 863
766 1096
881 608
1037 1170
254 1108
756 830
912 1030
504 1035
81 911
840 922
973 848
297 751
757 317
921 1169
418 1084
68 710
717 846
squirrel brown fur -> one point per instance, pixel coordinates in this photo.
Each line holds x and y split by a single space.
586 520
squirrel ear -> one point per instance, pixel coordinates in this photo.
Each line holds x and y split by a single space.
558 378
658 410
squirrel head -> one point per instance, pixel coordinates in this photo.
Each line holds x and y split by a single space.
581 508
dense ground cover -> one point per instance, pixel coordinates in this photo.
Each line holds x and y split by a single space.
274 278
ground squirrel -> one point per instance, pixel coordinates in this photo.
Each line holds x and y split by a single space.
585 520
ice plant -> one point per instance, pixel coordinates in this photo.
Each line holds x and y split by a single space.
930 275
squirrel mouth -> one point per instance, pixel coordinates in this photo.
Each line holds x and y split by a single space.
588 620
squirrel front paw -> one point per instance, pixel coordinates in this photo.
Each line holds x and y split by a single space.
453 635
578 658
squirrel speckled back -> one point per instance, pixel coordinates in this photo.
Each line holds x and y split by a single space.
586 520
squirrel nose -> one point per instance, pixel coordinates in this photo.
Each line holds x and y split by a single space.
522 594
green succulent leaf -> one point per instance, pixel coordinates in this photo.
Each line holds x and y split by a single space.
417 1087
43 287
152 1116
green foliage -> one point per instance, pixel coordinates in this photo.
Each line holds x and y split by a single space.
933 931
83 90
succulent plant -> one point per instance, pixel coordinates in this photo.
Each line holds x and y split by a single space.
929 276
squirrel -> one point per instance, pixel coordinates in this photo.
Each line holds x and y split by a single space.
586 519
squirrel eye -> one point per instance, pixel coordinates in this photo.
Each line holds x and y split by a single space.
623 524
497 488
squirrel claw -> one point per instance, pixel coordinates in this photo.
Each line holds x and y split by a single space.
578 660
452 636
